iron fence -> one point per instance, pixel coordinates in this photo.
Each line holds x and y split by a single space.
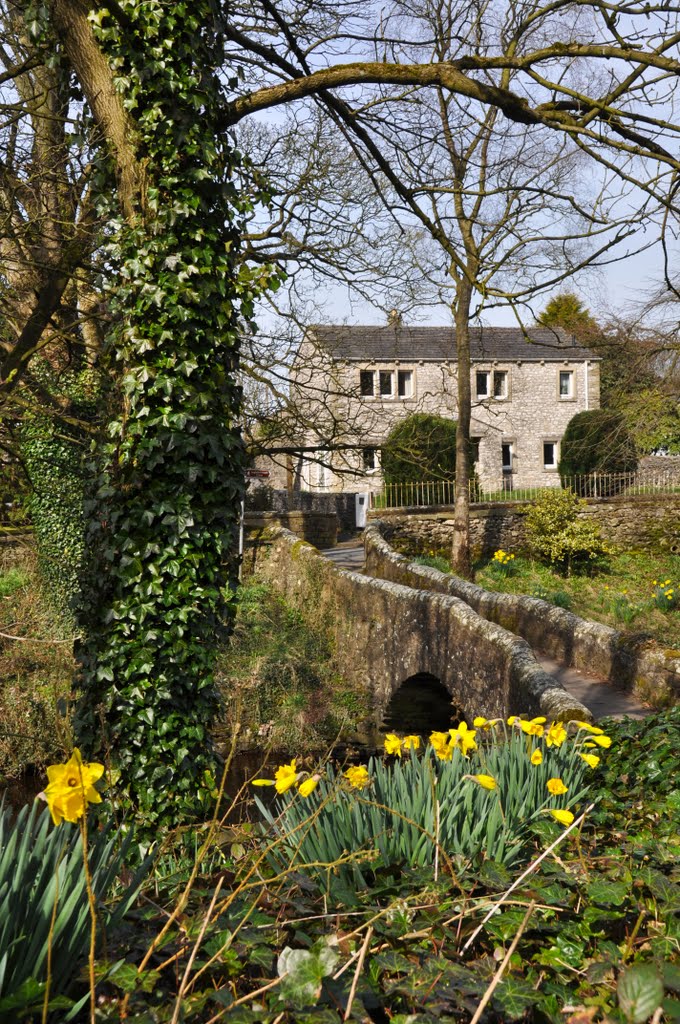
592 485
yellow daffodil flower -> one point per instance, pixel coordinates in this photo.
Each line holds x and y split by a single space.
556 787
564 817
308 786
357 776
591 759
441 743
463 738
537 756
589 728
71 788
486 781
392 744
556 735
602 741
285 777
533 727
485 723
411 742
263 782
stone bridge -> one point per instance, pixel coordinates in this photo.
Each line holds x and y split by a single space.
386 633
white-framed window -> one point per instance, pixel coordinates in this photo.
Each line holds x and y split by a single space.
550 454
483 383
386 383
367 383
566 384
474 450
507 456
370 459
500 384
405 383
323 470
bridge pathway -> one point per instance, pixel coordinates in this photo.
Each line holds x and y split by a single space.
599 696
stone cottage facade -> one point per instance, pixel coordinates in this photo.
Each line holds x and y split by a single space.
355 383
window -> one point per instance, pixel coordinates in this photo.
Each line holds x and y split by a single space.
386 383
405 383
370 459
500 383
474 450
323 473
507 456
550 454
367 383
566 383
483 383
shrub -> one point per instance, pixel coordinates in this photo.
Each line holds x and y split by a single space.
558 536
596 441
421 447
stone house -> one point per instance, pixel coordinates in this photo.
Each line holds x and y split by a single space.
354 383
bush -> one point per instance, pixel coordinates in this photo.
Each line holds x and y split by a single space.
419 448
597 441
559 537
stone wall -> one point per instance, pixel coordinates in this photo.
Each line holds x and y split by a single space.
651 522
626 662
317 528
268 499
385 633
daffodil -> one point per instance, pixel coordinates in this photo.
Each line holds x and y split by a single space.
71 788
463 738
263 782
537 756
556 787
591 759
392 744
411 742
486 781
357 776
485 723
556 735
532 727
441 743
602 741
285 777
564 817
308 786
594 729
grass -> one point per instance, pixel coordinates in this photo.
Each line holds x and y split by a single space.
279 680
617 593
35 673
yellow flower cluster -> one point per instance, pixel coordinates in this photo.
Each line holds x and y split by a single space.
395 744
462 738
71 788
287 776
502 557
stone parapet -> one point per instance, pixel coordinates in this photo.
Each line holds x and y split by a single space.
317 528
628 662
386 632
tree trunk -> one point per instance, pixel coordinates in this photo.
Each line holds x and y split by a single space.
460 557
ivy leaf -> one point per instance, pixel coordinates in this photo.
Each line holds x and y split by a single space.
303 972
640 991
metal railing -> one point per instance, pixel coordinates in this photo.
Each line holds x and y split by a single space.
592 485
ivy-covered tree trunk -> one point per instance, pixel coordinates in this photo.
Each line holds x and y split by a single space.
166 510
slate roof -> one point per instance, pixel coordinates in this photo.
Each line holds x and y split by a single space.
409 344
